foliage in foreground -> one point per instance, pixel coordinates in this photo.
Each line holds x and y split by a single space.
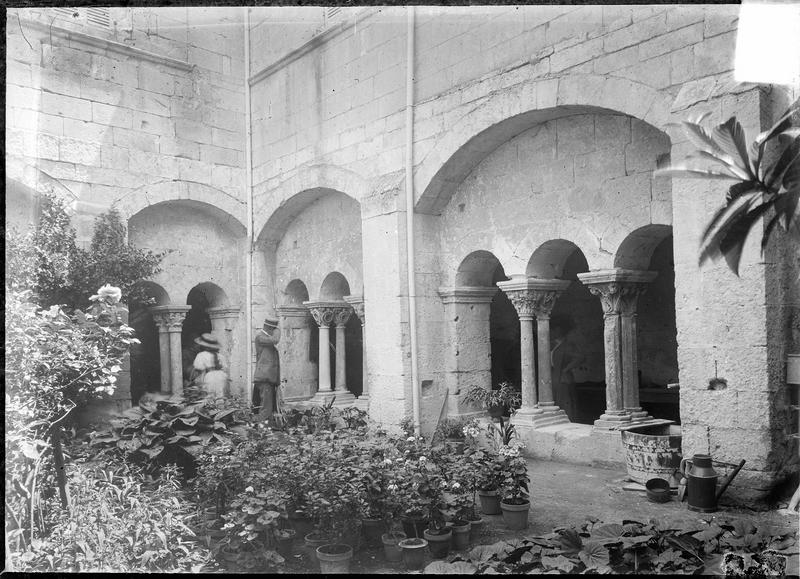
630 547
118 522
761 190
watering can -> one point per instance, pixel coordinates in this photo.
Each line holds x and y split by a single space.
702 482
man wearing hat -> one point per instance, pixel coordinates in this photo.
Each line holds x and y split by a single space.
267 375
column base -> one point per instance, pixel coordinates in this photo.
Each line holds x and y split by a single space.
343 398
362 402
526 413
612 421
546 416
638 414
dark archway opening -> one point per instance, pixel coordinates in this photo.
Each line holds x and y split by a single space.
504 337
354 356
145 357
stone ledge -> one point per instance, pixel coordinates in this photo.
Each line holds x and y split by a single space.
572 443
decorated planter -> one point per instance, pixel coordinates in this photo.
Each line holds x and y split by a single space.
334 558
476 528
316 539
516 516
490 502
391 547
413 552
460 534
439 542
372 529
414 526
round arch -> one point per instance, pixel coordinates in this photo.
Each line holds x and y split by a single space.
477 269
334 287
636 250
504 114
157 295
216 202
295 293
549 259
208 292
280 204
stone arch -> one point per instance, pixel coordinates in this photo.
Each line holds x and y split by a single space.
220 204
637 248
155 292
214 295
295 293
504 114
278 205
334 287
477 269
549 259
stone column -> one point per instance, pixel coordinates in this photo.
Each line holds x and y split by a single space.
357 303
325 314
468 351
341 318
535 298
298 374
171 319
223 325
630 352
617 288
163 351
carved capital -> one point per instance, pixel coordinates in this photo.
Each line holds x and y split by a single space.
327 313
619 289
533 297
169 318
223 312
357 303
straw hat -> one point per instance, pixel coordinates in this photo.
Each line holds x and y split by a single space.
208 341
271 323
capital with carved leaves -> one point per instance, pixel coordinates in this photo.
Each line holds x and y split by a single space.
533 297
170 318
327 313
618 289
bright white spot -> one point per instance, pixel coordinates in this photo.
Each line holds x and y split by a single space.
768 43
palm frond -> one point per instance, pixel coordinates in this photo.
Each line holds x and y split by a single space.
730 137
691 173
726 161
788 158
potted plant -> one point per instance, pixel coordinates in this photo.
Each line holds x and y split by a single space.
489 477
413 550
284 539
334 558
450 431
495 401
515 503
391 547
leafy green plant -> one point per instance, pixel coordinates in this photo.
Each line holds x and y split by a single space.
505 395
761 189
54 363
171 431
119 523
452 428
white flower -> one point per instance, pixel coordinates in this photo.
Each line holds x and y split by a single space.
108 294
422 459
410 439
249 490
387 462
227 526
456 486
444 484
392 487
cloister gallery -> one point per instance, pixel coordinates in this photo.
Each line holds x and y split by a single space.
424 197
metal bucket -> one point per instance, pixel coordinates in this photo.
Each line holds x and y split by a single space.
653 452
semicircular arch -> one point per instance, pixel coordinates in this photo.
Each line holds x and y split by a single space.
505 114
637 248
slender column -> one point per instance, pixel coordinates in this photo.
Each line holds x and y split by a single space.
357 303
630 355
171 317
341 317
163 351
325 314
534 297
617 289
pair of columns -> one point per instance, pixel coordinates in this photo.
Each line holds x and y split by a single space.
619 290
337 314
169 320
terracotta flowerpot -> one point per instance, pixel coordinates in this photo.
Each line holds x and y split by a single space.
414 526
391 546
372 529
490 502
516 516
302 524
439 542
334 558
285 544
315 539
476 529
460 534
413 552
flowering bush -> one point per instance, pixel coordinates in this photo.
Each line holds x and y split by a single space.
251 525
509 461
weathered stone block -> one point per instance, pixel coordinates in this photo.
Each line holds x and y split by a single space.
671 41
86 131
111 115
135 140
72 151
715 54
575 135
636 33
61 105
155 81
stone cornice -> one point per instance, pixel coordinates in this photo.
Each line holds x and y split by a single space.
107 44
467 295
169 309
522 282
617 275
317 41
329 312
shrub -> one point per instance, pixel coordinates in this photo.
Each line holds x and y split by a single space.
118 523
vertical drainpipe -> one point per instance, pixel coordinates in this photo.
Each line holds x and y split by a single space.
248 155
409 180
